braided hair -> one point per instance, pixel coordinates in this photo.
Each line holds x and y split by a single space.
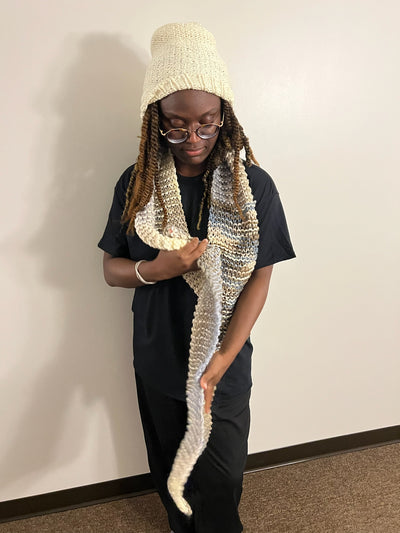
231 139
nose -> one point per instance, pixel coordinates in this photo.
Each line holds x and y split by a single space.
193 137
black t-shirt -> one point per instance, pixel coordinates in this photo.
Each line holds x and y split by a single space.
163 312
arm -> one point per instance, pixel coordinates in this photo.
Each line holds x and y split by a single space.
247 310
120 271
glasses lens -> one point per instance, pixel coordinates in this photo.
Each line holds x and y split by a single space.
177 136
207 131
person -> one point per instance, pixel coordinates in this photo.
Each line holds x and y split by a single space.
195 231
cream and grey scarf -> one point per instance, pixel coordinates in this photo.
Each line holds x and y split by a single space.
225 268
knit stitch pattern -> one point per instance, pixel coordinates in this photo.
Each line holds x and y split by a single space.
224 269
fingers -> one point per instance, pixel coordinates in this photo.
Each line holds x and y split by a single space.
202 246
191 245
195 247
203 383
208 394
191 252
208 402
177 262
208 398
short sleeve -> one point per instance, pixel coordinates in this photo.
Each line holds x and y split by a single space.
274 240
114 240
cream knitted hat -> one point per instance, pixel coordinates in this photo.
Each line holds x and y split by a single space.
184 56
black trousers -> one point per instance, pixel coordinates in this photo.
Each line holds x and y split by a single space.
215 485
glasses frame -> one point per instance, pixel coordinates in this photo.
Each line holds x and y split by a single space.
188 132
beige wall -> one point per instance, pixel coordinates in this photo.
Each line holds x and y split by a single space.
316 87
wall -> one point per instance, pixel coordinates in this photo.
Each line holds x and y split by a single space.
316 87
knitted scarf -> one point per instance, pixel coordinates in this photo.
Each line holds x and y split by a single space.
224 269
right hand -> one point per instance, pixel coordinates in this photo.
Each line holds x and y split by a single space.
171 264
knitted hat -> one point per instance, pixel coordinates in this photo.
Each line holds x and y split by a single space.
184 56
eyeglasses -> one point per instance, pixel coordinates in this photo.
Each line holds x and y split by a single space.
204 131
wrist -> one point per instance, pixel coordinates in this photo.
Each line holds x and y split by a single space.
144 273
151 272
227 355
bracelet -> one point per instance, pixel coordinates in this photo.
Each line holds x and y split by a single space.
139 277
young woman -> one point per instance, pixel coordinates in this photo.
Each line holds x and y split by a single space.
195 230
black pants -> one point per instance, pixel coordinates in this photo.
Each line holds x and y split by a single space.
215 485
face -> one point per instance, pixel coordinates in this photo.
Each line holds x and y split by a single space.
189 109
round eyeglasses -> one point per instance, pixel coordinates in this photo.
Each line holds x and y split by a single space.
204 131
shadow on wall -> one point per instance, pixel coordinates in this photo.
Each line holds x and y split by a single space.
95 107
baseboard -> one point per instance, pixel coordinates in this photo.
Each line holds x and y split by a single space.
63 500
135 485
321 448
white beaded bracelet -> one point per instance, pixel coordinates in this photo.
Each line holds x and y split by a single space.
139 277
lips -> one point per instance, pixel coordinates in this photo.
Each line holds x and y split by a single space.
194 153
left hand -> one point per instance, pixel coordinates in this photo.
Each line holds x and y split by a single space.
212 375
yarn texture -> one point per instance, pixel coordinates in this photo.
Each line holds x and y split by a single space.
184 56
224 269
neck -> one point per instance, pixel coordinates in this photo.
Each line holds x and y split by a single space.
189 171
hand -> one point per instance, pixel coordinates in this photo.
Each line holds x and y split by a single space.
212 375
177 262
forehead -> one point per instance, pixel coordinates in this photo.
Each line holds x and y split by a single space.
190 103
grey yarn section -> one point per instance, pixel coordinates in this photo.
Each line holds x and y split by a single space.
224 269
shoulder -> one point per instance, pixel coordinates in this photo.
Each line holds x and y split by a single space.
261 183
123 182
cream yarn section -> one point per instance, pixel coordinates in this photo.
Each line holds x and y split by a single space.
225 267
